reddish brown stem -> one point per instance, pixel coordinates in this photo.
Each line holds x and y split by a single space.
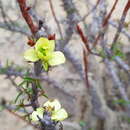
96 40
122 20
105 22
85 59
26 15
84 39
127 7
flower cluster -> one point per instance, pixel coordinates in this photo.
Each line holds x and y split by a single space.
44 51
52 106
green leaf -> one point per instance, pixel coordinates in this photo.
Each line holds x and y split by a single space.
26 78
17 97
30 55
45 95
22 83
38 84
121 101
82 123
29 91
117 51
57 58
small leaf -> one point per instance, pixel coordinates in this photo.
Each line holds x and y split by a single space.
121 101
82 123
29 91
29 79
30 55
38 84
22 83
45 95
17 97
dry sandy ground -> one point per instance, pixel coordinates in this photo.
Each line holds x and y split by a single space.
12 47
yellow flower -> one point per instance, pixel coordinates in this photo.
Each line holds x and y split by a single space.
54 107
44 51
39 112
54 104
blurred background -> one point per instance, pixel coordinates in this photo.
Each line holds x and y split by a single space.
99 107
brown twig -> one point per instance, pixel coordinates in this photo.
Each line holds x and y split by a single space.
26 15
55 18
121 23
85 59
84 39
34 29
85 55
105 22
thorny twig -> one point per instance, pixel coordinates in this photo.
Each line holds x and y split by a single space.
43 29
26 15
123 31
117 81
105 23
72 20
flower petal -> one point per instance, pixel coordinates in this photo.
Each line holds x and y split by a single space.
57 58
40 42
44 43
54 104
59 115
52 45
31 55
39 112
